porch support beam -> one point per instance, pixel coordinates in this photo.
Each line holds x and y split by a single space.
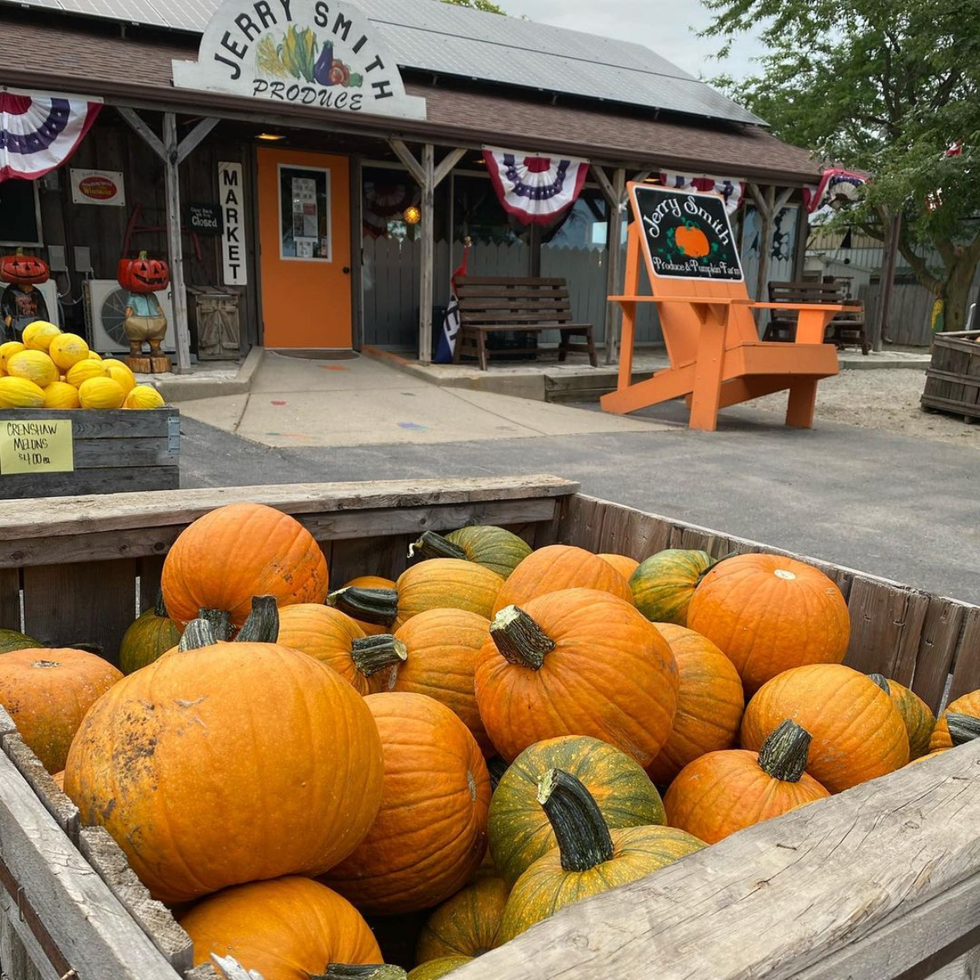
614 192
408 161
768 204
447 163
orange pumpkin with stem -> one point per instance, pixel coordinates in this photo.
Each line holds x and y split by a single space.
576 662
917 715
48 692
858 734
431 830
235 552
967 705
769 614
284 929
710 703
370 582
722 792
442 647
365 662
299 780
556 568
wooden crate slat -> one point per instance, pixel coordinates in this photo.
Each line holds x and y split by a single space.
149 569
84 602
886 623
966 665
354 557
937 647
106 480
10 599
94 454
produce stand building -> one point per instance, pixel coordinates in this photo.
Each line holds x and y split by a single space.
312 168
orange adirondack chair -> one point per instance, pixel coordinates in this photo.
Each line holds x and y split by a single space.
716 357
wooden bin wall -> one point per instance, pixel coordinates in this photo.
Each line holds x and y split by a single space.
882 881
953 377
114 450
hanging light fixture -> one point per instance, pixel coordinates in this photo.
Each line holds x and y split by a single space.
412 215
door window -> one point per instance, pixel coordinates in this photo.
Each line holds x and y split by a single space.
304 213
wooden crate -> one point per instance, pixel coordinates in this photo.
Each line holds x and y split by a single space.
953 377
881 882
114 451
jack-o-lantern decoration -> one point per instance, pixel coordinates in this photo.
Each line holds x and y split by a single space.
143 275
23 270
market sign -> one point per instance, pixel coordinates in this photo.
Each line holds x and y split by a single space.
231 195
308 52
205 219
97 187
686 235
36 446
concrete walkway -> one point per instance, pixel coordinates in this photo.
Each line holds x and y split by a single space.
295 402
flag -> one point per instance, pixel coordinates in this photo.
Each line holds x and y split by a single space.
534 189
450 325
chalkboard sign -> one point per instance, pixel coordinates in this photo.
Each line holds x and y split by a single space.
205 219
685 235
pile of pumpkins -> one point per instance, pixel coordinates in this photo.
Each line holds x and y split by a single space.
51 369
495 735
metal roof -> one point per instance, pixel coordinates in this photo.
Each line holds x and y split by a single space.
447 40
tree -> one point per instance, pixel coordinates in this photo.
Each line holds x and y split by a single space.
485 5
888 86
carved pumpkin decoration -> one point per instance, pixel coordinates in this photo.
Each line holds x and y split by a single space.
23 269
296 788
692 241
576 662
284 929
143 275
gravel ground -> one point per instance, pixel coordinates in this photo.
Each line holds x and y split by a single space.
883 399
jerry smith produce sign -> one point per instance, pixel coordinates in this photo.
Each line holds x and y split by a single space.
317 53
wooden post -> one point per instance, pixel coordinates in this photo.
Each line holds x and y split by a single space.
802 236
175 245
765 235
893 231
614 249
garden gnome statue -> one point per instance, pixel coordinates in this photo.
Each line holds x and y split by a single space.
21 303
145 321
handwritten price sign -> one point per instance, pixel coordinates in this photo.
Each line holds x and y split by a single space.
36 447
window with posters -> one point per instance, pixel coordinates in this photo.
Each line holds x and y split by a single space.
304 213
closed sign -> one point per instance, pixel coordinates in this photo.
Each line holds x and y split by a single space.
205 219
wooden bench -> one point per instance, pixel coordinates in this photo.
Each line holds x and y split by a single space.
492 304
843 330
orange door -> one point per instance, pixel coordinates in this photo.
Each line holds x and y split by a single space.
304 232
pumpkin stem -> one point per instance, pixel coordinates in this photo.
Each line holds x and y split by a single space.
962 728
199 633
262 624
373 653
881 681
496 766
711 564
519 638
378 606
582 834
784 753
362 971
432 545
219 620
159 606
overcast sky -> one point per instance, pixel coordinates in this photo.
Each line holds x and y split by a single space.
665 26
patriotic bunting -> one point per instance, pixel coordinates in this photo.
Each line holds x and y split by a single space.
836 186
730 188
534 189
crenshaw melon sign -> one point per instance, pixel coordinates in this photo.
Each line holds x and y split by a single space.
316 53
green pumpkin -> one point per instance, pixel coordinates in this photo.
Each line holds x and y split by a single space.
12 640
492 547
663 585
441 967
519 832
152 635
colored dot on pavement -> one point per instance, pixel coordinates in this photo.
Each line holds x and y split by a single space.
333 367
277 403
414 426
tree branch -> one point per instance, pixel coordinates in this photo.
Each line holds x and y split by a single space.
918 264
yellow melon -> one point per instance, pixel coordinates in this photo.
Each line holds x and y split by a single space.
60 394
83 370
34 365
10 348
39 334
143 396
101 393
20 393
120 373
95 356
67 349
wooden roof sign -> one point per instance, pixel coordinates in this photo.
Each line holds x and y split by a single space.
308 52
685 235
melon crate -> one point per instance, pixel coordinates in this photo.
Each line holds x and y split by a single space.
880 882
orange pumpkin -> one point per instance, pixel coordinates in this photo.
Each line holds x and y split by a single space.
858 734
622 563
284 929
692 241
238 551
370 582
142 274
710 703
917 715
336 640
442 647
576 662
769 614
967 704
228 763
722 792
48 692
431 831
466 924
556 568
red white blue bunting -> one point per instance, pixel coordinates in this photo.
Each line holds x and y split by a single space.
535 189
730 188
836 186
39 131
